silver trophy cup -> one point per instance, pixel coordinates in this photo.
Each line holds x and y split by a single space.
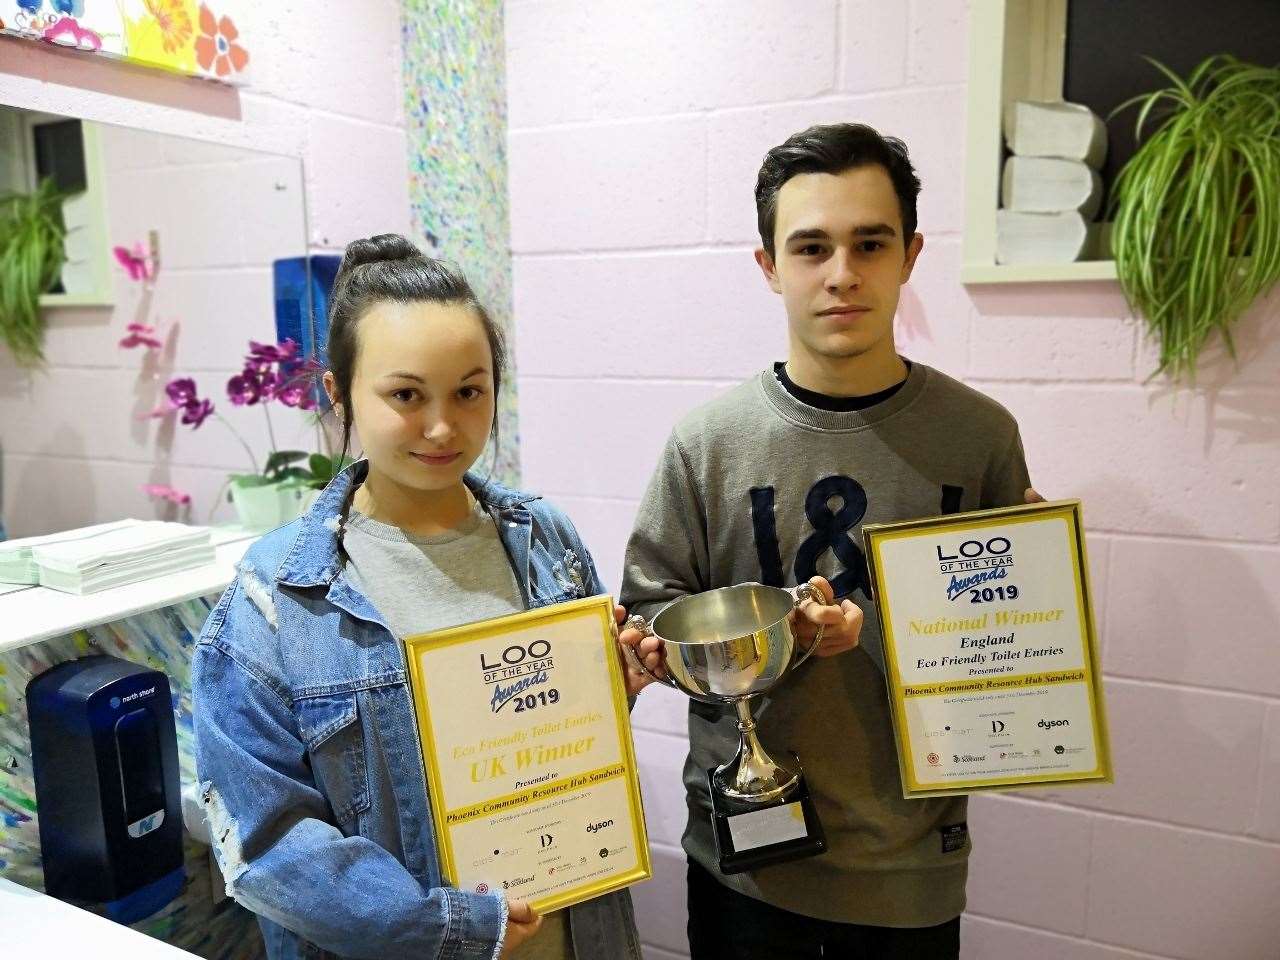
727 646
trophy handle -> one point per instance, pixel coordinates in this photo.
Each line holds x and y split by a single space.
637 622
801 593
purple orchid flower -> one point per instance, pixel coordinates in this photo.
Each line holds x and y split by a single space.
262 355
196 413
297 393
243 389
297 389
251 385
181 395
181 391
270 372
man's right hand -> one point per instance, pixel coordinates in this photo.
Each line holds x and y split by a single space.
522 923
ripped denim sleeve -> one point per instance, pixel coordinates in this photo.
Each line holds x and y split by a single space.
224 835
258 591
568 574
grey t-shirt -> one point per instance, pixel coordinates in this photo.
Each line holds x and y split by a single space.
420 584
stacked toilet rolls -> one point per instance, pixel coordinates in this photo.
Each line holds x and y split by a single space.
1050 189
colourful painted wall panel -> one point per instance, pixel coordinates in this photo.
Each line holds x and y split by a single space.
178 35
456 121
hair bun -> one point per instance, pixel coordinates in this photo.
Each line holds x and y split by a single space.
382 248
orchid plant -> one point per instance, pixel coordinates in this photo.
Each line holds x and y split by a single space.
272 373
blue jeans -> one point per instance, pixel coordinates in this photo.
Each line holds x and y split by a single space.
725 925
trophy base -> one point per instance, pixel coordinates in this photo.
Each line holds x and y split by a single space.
754 835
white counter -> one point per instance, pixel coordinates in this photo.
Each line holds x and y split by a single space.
38 926
31 614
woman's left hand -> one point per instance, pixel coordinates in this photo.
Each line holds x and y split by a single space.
843 623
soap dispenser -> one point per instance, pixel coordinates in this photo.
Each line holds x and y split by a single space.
105 757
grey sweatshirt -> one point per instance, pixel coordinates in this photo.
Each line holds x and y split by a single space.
757 486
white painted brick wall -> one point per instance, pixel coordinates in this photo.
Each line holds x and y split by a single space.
636 134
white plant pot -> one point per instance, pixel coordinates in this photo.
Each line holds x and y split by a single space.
270 505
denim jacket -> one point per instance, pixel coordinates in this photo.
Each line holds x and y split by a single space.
308 755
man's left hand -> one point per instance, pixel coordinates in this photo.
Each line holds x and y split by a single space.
842 624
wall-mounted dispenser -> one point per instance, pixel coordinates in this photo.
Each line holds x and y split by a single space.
105 758
303 288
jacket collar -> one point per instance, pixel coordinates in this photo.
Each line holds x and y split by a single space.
313 559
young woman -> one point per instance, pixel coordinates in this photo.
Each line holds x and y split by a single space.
306 746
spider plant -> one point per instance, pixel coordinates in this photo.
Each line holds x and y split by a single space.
1197 207
31 258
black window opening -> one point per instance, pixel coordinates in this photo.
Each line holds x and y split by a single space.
1107 40
60 154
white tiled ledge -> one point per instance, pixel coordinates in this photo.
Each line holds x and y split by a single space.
1037 272
31 614
36 925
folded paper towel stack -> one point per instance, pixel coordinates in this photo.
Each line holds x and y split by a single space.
1050 189
106 555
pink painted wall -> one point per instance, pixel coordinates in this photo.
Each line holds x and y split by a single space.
635 134
72 453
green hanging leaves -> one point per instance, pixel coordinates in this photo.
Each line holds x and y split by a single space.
31 258
1197 208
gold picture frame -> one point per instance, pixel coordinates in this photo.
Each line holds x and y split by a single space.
1005 710
563 776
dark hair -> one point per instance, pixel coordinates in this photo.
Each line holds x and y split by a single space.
389 267
835 148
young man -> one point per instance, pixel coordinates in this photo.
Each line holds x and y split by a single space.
772 482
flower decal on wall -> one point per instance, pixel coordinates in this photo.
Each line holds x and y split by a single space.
51 20
161 491
162 33
66 32
216 47
135 262
187 36
141 335
173 19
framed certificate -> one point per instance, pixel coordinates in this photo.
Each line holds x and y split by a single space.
526 741
990 651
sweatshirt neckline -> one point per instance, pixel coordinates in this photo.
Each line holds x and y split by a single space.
812 418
